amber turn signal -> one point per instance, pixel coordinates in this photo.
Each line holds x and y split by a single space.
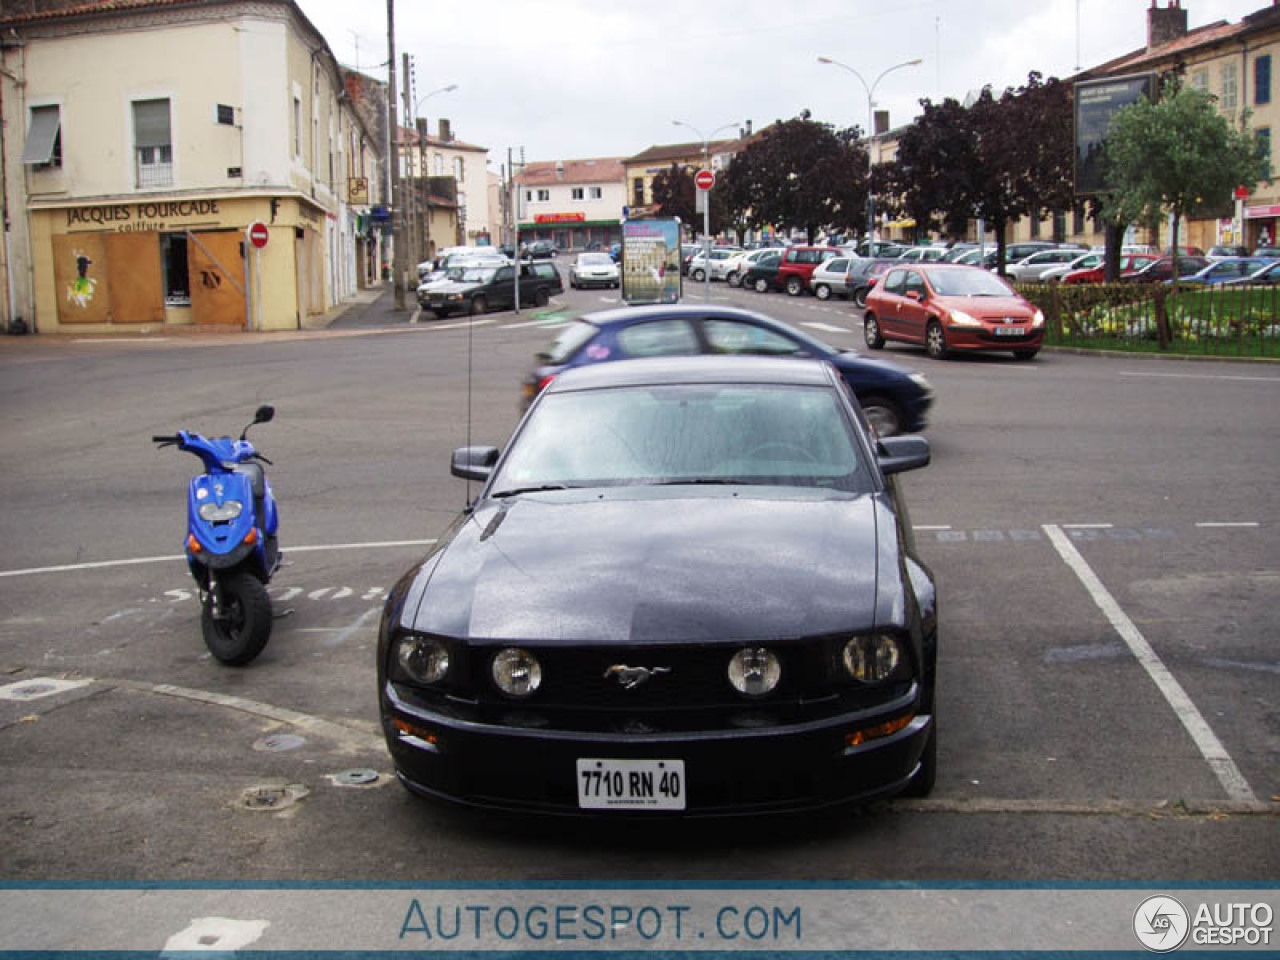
878 731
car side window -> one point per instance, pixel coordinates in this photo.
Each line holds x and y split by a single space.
737 337
504 273
836 266
896 282
658 338
914 284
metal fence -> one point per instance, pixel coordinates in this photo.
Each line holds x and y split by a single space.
1216 320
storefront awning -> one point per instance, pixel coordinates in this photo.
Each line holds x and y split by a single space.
901 224
42 135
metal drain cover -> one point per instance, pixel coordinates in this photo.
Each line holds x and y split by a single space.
279 742
358 777
271 797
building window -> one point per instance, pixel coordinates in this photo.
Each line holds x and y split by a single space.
595 193
544 196
1200 79
457 169
1077 219
637 191
226 115
1059 227
579 193
1230 87
1262 137
153 146
439 165
173 263
43 147
297 127
1262 80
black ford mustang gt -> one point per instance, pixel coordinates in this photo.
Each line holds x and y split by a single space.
687 587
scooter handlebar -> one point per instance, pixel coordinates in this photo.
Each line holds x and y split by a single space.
165 441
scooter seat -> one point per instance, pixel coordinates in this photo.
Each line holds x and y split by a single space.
257 477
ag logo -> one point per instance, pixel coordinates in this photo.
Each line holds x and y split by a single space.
1161 924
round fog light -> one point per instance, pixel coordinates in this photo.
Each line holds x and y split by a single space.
871 659
423 659
754 671
517 672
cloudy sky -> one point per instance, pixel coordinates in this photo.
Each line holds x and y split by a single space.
569 79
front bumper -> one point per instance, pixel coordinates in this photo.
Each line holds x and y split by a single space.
799 766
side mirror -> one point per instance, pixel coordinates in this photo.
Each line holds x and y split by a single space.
264 414
915 295
473 463
897 454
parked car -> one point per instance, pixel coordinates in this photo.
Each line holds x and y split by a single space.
862 276
1128 263
922 254
687 252
949 308
1222 252
895 398
1267 252
1030 267
798 264
494 286
1268 274
1220 271
459 265
880 249
1158 271
594 270
663 665
540 250
829 278
718 266
1086 261
741 262
762 276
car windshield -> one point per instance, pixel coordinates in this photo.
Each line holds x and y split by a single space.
794 436
594 260
968 283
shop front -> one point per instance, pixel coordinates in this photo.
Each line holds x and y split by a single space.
571 231
1260 226
143 264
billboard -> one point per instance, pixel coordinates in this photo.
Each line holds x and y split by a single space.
1096 102
651 261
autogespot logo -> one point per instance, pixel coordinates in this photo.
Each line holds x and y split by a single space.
1161 924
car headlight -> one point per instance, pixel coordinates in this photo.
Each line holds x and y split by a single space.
754 671
422 659
1038 319
456 296
219 513
871 659
959 318
517 672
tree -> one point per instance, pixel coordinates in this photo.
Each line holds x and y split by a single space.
1174 156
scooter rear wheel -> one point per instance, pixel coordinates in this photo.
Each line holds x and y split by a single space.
246 626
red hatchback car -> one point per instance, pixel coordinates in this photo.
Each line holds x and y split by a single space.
948 308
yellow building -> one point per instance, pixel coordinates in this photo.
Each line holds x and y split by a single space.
142 141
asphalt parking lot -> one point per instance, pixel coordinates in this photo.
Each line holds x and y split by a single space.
1103 531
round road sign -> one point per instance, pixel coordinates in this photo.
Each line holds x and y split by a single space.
704 179
258 234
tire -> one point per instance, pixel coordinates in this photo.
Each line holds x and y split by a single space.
935 340
733 278
699 275
795 286
860 297
1026 354
871 332
883 414
541 298
479 305
921 784
822 292
762 285
244 631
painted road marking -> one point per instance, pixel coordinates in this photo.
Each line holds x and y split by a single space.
829 327
1199 376
1211 748
1243 523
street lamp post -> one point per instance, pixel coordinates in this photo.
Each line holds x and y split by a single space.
871 106
422 165
706 207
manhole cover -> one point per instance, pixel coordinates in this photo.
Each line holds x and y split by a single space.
272 796
279 742
355 778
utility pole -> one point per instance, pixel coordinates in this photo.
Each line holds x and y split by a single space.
397 217
411 206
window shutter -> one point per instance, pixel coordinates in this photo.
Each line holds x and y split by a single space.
42 135
151 123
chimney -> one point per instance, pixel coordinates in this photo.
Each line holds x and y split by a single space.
881 122
445 134
1165 24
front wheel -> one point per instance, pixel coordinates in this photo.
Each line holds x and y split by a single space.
541 298
762 285
242 631
822 292
935 341
883 415
733 278
699 275
794 286
478 305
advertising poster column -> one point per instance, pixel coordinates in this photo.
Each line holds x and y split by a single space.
651 261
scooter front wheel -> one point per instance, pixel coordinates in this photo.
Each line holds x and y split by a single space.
245 626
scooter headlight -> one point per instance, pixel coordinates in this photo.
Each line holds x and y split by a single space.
221 512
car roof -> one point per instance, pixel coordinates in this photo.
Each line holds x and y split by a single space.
792 371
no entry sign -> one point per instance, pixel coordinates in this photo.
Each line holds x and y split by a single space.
258 234
704 179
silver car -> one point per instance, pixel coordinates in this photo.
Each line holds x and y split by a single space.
717 266
594 270
829 278
1029 269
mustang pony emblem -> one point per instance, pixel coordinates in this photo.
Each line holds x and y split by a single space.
631 677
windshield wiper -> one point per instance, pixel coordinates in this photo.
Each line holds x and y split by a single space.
710 481
515 491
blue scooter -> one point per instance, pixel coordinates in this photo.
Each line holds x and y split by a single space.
232 547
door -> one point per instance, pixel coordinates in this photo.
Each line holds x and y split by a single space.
217 277
891 292
914 315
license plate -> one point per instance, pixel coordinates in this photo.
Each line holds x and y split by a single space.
630 784
1008 331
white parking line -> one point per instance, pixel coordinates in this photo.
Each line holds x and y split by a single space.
816 325
1198 376
1206 741
1242 523
1085 526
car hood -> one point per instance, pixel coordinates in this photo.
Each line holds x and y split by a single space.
658 565
859 369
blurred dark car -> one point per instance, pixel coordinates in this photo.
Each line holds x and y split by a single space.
540 250
895 398
1222 271
688 587
762 276
481 288
862 276
1268 275
1128 263
1158 271
1220 252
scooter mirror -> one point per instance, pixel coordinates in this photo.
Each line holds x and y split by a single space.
265 414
